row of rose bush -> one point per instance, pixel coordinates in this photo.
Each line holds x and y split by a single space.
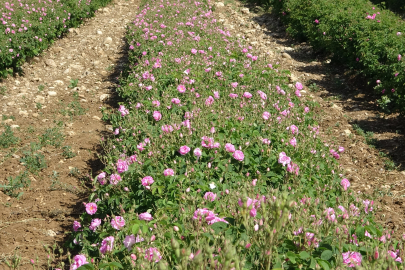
396 6
28 27
360 36
215 162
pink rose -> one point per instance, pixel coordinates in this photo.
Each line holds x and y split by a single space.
76 225
209 196
298 86
181 88
157 115
78 261
247 95
284 159
91 208
238 155
145 216
184 149
107 244
345 183
168 172
234 84
118 222
147 181
152 253
229 147
266 115
122 166
197 152
94 224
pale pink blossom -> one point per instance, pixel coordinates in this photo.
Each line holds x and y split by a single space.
91 208
238 155
168 172
94 224
197 152
284 159
352 259
345 183
184 149
78 261
147 181
157 115
145 216
229 147
152 254
117 222
209 196
107 244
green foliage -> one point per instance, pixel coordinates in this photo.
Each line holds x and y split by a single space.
50 21
73 83
3 90
7 138
52 136
41 87
74 108
33 160
369 45
14 184
67 152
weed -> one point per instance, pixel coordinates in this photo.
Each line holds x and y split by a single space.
368 135
15 261
3 90
41 87
73 83
74 172
58 185
67 152
52 136
313 87
38 105
30 129
5 117
7 138
109 68
389 165
15 184
34 162
74 108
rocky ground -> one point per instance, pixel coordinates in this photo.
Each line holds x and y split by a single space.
45 106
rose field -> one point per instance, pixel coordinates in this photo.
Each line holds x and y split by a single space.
159 135
28 27
216 163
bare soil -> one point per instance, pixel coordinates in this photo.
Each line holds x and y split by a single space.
40 99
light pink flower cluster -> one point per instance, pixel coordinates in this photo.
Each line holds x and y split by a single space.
130 240
208 142
167 128
345 183
210 217
122 166
118 222
184 149
115 179
123 110
152 254
145 216
284 159
230 148
209 196
252 204
78 261
334 153
168 172
293 168
91 208
238 155
94 224
147 181
351 258
107 245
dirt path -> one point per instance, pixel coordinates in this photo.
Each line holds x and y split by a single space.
342 107
58 126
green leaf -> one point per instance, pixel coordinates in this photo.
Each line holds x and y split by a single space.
326 255
219 226
304 255
292 256
313 264
115 264
87 266
324 264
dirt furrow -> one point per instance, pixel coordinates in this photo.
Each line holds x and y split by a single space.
50 128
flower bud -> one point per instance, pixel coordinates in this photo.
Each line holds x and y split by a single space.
175 228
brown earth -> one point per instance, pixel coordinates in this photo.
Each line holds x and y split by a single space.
40 99
377 170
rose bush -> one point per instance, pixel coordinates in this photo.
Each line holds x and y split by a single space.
242 191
